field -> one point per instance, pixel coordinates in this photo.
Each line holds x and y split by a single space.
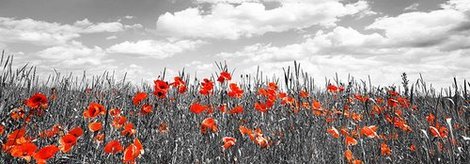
289 119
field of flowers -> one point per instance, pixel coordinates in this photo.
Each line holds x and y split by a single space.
289 119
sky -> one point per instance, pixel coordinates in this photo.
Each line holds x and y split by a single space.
376 38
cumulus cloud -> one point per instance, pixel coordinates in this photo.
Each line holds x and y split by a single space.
85 26
421 29
137 73
383 65
340 41
434 43
129 17
155 48
36 32
133 27
446 28
411 7
111 37
48 34
461 5
247 19
71 55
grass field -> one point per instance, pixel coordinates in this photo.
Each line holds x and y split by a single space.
289 119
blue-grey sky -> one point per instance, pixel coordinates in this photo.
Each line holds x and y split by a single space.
380 38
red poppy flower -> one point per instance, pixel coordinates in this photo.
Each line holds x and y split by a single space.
179 84
412 148
77 131
16 134
261 141
206 87
119 121
95 126
36 101
272 86
197 108
237 110
332 88
45 153
138 97
99 138
2 129
333 132
235 91
430 118
17 113
369 131
348 155
163 128
303 94
262 107
245 131
146 109
224 75
128 129
25 150
361 98
133 151
93 110
113 147
49 133
385 150
115 112
160 88
208 123
350 141
182 89
67 142
228 142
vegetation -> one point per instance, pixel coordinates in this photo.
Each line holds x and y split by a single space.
292 119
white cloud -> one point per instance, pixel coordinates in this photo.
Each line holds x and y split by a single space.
47 34
340 41
228 21
384 69
133 27
447 27
36 32
460 5
345 50
205 68
344 39
137 73
85 26
72 55
200 69
267 53
419 28
104 27
435 43
193 63
412 7
111 37
155 48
